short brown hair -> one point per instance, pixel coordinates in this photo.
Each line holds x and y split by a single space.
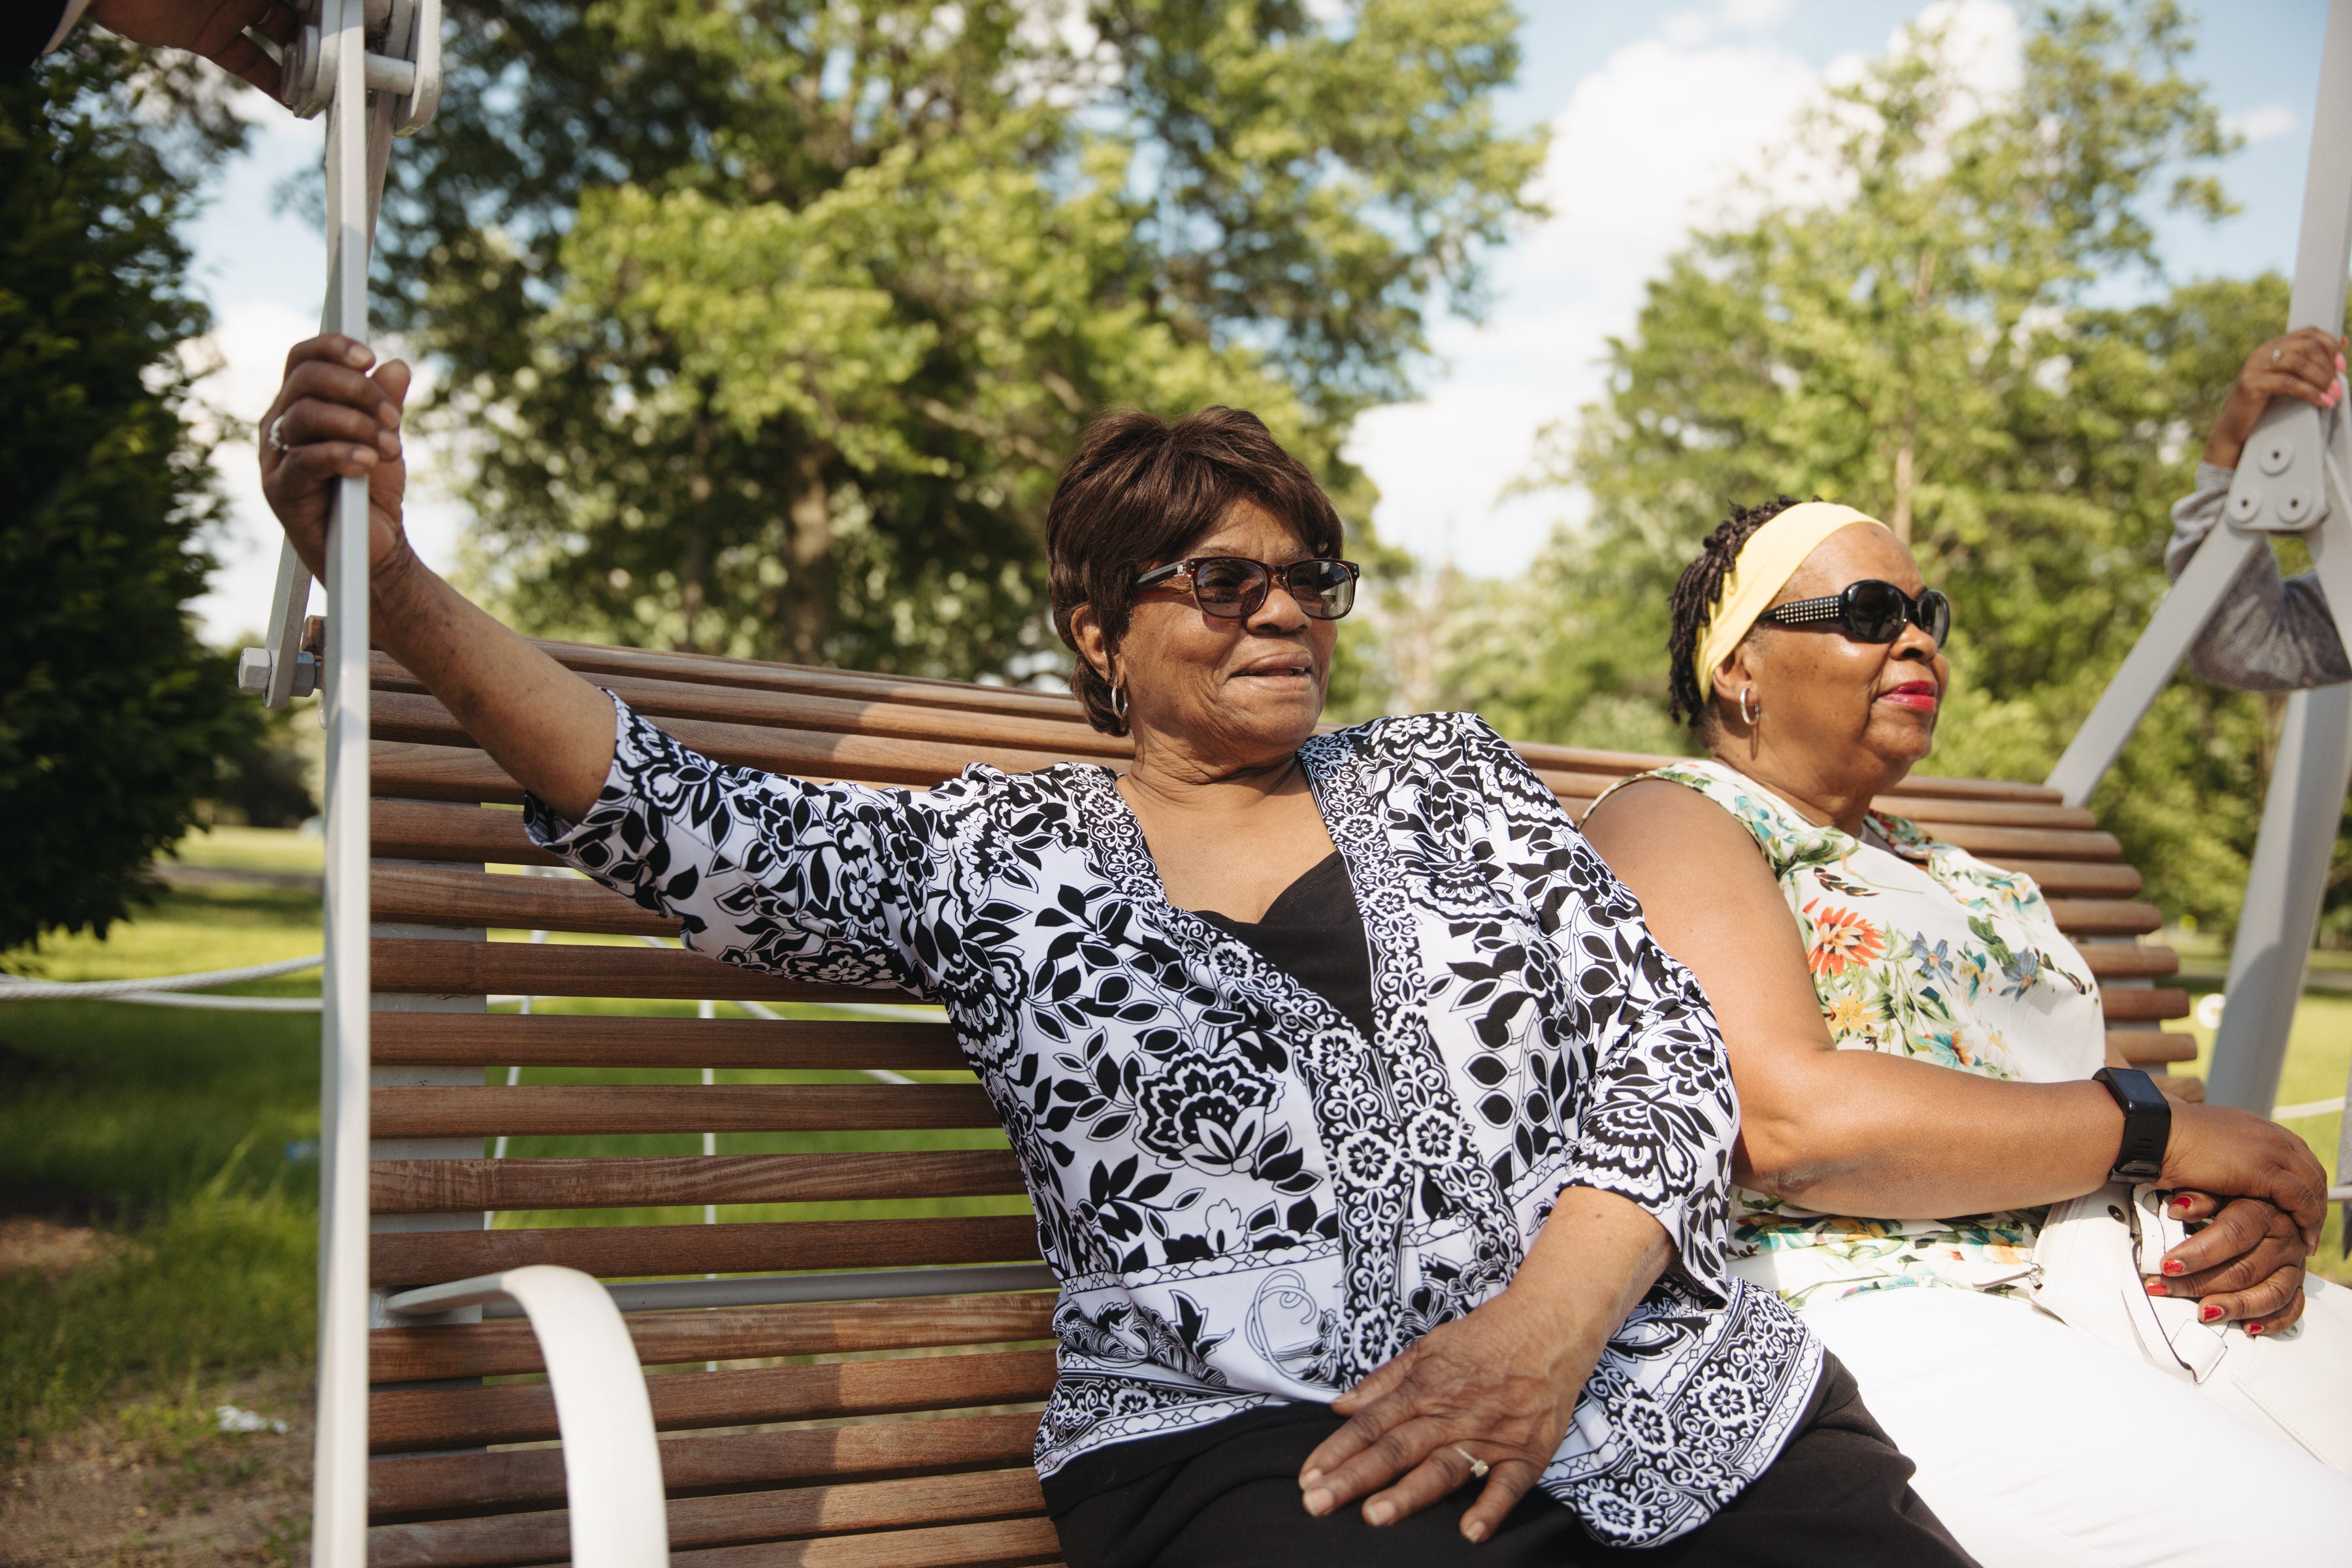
1140 492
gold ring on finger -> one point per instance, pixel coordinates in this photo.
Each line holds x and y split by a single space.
1479 1467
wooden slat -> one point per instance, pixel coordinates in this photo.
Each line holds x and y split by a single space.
554 1040
2047 844
1613 766
870 759
559 1110
752 675
552 969
428 1257
504 1347
1929 811
1005 1543
869 1451
2139 1046
460 1186
428 895
431 830
664 700
790 1512
2106 916
2128 961
525 1412
2152 1005
2075 878
1995 843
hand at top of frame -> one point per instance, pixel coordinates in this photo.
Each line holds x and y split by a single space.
2304 364
213 28
2220 1149
2245 1266
333 421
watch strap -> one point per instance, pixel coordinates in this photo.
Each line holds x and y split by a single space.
2147 1124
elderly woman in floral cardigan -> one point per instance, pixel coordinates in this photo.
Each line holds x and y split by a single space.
1383 1155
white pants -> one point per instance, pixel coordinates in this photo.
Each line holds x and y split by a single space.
2039 1446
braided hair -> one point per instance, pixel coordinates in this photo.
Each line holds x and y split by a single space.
1698 593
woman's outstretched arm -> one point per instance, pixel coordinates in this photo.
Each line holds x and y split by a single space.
1867 1134
550 730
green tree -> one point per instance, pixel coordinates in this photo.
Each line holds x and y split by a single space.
113 717
768 325
1923 342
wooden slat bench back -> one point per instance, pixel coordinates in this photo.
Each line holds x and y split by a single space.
875 1428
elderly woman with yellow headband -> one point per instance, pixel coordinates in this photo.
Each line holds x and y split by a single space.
1923 1074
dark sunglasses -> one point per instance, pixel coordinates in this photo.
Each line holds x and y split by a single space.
1870 611
1233 587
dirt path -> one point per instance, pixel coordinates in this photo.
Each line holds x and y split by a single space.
158 1484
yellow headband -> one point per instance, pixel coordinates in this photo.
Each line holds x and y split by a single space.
1765 563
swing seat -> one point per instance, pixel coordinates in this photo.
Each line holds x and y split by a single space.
832 1391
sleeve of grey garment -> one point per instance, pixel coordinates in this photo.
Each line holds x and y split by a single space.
2269 633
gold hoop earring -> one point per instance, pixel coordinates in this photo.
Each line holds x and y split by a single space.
1745 717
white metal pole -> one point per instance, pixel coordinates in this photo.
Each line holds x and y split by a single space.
2284 888
2293 479
339 1521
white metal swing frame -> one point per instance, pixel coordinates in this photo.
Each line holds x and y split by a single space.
2295 478
375 68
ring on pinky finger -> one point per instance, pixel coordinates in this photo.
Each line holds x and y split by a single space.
277 437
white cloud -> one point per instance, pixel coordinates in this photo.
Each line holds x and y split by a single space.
1756 15
2262 122
1666 135
1647 146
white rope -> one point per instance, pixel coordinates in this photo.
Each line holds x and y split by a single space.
221 1003
2310 1108
16 988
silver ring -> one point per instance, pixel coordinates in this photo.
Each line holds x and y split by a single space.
2277 354
1479 1467
277 442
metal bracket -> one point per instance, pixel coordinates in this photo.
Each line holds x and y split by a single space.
403 79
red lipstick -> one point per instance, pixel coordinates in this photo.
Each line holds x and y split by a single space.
1919 696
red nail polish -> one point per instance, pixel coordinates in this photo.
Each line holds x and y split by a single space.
2180 1203
2207 1314
2254 1328
2174 1266
2156 1288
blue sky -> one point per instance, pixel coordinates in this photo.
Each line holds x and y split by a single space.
1654 110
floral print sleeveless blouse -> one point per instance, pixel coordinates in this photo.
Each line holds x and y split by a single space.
1921 950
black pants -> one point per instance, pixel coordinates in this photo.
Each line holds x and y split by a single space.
1839 1494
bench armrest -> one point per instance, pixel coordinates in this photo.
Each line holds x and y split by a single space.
612 1462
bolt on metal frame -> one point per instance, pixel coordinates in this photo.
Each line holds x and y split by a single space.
2295 478
373 67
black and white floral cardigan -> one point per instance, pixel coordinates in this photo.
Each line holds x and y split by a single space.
1246 1200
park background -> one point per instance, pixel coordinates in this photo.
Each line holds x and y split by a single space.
766 341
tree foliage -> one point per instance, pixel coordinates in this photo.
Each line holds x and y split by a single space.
769 324
113 717
1920 336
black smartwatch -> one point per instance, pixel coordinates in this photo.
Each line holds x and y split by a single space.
2147 1124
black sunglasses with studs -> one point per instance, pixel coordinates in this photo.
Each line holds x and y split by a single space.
1870 611
1233 587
